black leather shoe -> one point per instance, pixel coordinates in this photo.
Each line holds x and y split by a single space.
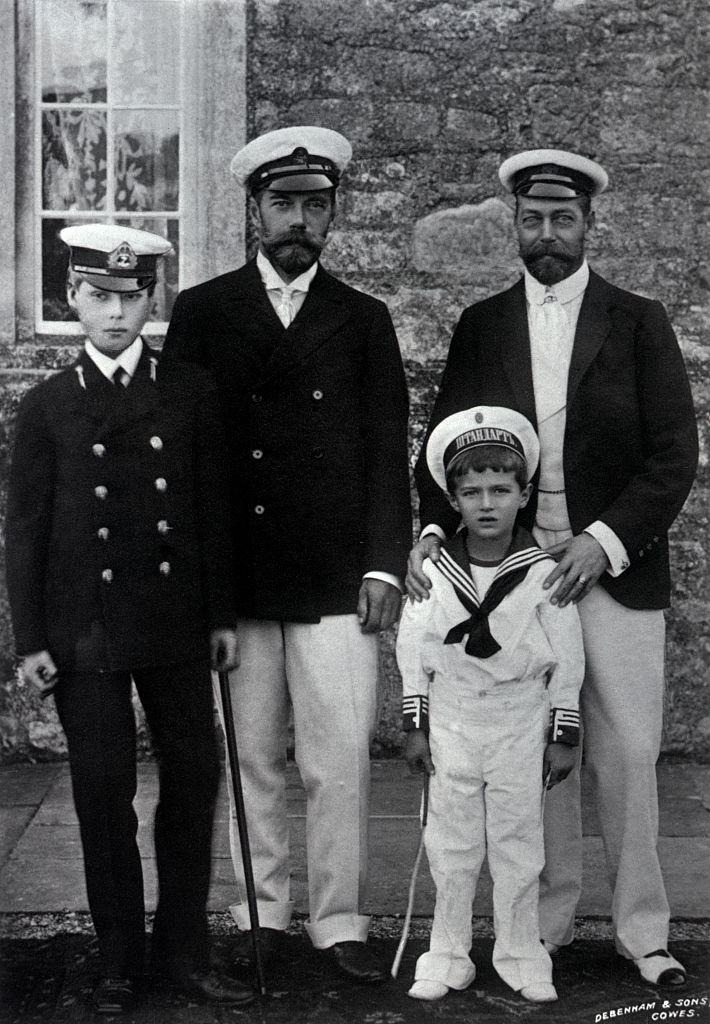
209 984
270 940
113 996
357 961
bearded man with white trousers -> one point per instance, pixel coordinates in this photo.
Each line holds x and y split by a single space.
599 373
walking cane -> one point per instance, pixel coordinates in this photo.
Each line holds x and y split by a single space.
242 826
413 882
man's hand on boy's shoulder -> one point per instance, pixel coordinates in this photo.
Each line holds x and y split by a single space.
581 560
558 762
39 670
417 582
417 753
224 650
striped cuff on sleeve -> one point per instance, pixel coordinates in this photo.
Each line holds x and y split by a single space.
415 712
564 726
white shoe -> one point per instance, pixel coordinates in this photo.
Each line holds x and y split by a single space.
429 990
540 992
660 968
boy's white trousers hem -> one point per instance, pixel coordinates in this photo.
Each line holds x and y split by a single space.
328 671
485 796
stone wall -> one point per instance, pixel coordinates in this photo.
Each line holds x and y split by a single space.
433 97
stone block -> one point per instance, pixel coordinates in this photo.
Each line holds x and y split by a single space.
464 241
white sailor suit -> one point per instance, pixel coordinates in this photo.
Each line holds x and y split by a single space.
492 689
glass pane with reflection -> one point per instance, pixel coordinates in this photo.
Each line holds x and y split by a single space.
74 47
145 49
147 159
74 159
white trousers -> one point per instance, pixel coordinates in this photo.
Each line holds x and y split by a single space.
328 671
487 749
622 716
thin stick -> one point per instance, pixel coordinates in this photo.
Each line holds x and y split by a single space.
413 882
242 827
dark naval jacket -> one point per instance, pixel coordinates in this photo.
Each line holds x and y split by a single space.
630 445
316 419
118 518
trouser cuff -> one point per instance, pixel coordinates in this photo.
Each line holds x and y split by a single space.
271 915
338 928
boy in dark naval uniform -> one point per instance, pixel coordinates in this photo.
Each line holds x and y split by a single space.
119 569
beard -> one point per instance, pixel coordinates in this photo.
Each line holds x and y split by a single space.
293 251
550 264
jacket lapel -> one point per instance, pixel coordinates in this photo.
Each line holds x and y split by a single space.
515 348
96 398
323 312
593 327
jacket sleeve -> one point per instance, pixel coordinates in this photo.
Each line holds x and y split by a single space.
214 517
564 634
183 340
453 395
29 524
384 418
653 497
412 635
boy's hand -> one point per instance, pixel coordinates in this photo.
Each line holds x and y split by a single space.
418 754
39 670
417 582
224 650
559 760
378 605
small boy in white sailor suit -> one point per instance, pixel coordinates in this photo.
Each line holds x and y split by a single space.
492 672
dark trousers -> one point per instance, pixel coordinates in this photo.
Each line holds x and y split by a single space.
97 716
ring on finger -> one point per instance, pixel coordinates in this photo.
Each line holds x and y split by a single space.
582 579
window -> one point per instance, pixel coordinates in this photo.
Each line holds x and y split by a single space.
109 120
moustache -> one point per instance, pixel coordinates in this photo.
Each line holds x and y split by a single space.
540 250
303 238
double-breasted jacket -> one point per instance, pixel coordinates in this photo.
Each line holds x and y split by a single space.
316 421
118 516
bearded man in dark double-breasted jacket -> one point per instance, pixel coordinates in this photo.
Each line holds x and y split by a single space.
315 405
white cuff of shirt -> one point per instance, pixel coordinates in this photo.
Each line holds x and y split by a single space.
612 547
386 577
432 528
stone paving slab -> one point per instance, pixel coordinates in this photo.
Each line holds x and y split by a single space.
27 785
43 869
49 981
13 824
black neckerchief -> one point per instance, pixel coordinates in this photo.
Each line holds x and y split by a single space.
454 566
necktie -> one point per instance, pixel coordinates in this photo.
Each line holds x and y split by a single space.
121 378
285 309
555 327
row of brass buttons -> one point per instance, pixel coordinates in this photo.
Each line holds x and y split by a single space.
156 443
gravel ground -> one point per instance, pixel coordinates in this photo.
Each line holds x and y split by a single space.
44 926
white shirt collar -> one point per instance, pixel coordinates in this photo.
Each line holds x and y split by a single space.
273 282
127 360
564 291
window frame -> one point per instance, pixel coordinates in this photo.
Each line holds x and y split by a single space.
40 215
213 127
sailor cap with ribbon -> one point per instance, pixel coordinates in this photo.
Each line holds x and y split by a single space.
482 425
113 257
552 174
302 158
